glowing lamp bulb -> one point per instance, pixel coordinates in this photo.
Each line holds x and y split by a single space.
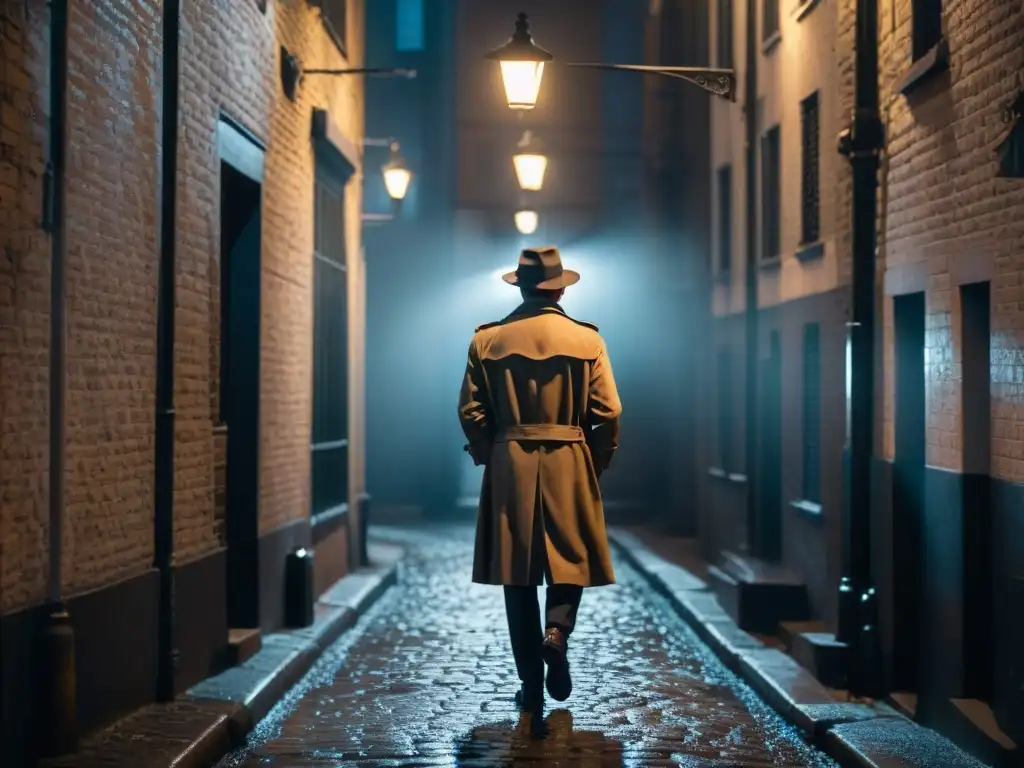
397 181
522 82
530 170
527 221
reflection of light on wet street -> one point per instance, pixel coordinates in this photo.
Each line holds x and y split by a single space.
426 679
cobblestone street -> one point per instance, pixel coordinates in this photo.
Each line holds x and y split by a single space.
426 679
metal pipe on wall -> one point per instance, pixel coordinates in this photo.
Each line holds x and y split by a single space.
163 487
57 725
862 144
751 325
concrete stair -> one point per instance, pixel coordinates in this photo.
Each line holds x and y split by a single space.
243 644
816 649
972 726
757 595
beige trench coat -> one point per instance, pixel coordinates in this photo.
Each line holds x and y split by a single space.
541 411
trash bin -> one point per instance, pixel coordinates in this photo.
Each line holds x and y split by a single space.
364 527
298 588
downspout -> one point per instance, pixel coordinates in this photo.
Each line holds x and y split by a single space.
753 539
862 144
57 724
163 486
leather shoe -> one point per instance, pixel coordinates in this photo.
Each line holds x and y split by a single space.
553 651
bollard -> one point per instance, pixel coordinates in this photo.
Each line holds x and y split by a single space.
298 588
57 714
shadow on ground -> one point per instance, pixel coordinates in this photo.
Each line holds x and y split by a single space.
505 744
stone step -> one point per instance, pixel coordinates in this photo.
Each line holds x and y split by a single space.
972 726
243 644
758 595
823 656
788 630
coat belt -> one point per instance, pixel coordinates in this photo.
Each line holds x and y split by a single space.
562 433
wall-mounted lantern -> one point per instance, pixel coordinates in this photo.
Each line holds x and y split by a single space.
522 69
397 178
530 163
527 221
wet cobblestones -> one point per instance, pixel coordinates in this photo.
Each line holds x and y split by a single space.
426 679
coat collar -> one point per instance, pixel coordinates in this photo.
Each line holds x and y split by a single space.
534 307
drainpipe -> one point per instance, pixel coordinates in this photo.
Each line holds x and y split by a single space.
163 487
57 723
751 335
862 144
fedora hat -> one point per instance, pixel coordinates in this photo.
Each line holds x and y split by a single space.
541 268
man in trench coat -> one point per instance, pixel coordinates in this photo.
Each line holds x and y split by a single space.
540 410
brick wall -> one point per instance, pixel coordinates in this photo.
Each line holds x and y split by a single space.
943 202
221 76
230 63
24 306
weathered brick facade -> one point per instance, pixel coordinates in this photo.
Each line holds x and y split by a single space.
230 66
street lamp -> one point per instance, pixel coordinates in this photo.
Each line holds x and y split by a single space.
397 178
397 175
527 220
530 163
522 69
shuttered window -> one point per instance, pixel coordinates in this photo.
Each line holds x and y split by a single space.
724 193
330 449
812 413
409 25
770 193
335 17
810 173
723 34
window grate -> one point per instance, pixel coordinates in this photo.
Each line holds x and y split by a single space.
725 390
770 20
723 32
926 26
770 192
409 25
812 413
724 185
810 179
335 17
330 426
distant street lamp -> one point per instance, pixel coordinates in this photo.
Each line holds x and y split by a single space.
527 221
397 175
522 69
530 163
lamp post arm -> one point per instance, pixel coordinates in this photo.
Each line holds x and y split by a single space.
381 71
721 82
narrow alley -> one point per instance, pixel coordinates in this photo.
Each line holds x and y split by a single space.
426 679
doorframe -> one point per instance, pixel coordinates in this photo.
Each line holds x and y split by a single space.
240 149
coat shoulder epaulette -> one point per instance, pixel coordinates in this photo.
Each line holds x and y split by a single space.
585 324
485 326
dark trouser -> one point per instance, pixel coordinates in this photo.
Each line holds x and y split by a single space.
524 628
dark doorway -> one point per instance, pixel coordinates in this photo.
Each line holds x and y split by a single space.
240 203
976 404
770 460
908 490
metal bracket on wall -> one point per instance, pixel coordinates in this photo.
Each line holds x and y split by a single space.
721 82
292 72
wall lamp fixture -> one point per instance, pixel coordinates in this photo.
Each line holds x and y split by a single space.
1011 148
522 68
292 73
397 178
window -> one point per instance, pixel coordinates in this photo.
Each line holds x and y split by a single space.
329 460
810 201
725 455
926 29
723 43
770 22
335 16
812 414
409 25
770 191
724 184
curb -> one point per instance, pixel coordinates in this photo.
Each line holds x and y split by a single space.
854 735
216 715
